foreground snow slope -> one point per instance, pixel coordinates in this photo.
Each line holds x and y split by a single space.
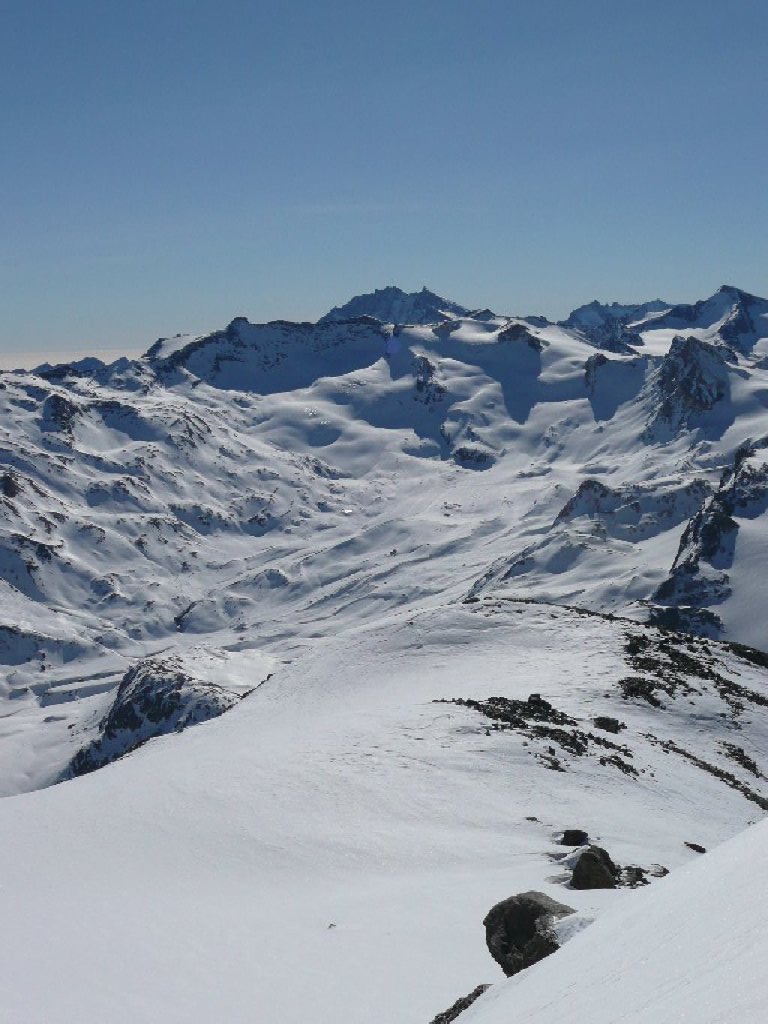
327 850
693 948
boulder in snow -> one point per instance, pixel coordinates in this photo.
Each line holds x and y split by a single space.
594 870
519 931
574 837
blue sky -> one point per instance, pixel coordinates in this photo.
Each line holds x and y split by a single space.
169 165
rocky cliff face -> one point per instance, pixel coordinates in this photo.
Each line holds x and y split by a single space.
694 376
700 579
154 698
612 326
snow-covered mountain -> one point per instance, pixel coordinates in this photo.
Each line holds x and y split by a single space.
403 565
610 325
394 306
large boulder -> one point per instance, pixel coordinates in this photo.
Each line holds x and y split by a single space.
594 870
519 930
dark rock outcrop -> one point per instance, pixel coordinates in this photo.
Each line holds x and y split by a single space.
472 456
608 724
518 332
633 876
449 1015
699 577
519 931
609 326
574 837
692 379
594 870
58 414
9 484
154 698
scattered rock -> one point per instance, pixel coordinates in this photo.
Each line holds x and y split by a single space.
608 724
730 780
638 688
695 847
538 720
633 877
460 1006
519 932
574 837
594 870
740 756
617 762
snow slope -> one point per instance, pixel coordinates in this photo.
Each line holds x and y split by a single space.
692 948
330 846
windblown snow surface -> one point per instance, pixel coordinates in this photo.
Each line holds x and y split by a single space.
348 554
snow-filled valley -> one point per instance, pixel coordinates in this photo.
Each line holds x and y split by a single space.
316 637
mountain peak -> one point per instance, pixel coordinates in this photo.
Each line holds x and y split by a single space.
736 294
607 325
393 305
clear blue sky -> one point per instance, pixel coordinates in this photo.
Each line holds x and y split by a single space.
167 165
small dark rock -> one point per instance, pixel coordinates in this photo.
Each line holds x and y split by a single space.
695 847
9 484
594 870
460 1006
518 930
574 837
608 724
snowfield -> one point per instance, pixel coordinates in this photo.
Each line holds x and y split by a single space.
430 593
331 846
